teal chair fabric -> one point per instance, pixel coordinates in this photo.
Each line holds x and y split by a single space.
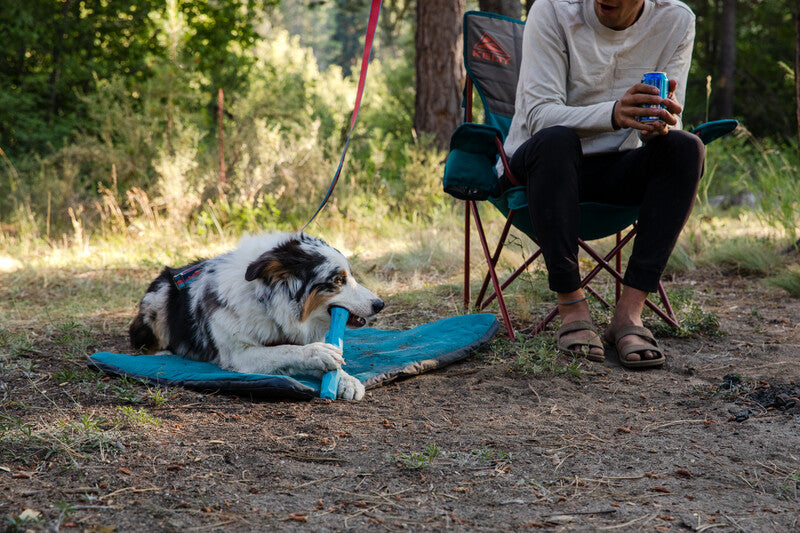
469 172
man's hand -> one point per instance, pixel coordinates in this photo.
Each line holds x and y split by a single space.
628 109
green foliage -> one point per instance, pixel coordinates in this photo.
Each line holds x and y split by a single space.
744 255
418 460
224 216
766 170
788 280
61 47
490 455
73 339
114 130
74 375
537 356
679 261
138 416
157 396
692 319
727 160
764 82
777 188
790 487
12 345
73 438
24 521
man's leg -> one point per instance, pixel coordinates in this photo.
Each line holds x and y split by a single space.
662 177
550 164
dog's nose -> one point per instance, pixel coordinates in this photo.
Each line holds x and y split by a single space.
377 305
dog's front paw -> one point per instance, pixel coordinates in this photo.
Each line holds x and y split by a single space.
322 356
350 388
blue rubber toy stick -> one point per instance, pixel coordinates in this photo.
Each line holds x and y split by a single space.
335 336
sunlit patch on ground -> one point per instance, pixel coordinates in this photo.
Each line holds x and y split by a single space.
9 264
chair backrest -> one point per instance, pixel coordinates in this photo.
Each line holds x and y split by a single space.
492 56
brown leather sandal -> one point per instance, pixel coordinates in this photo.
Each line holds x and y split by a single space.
647 335
580 348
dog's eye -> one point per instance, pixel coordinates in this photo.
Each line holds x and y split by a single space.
339 280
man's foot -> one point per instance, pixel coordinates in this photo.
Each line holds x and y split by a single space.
579 338
635 345
576 334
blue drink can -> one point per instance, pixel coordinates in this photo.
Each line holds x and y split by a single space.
660 80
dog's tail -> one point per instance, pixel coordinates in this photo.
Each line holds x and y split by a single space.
142 336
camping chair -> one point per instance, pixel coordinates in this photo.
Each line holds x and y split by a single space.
492 52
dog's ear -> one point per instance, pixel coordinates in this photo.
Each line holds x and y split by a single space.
268 266
288 260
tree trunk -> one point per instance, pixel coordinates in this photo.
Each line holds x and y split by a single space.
797 71
509 8
55 73
727 60
439 68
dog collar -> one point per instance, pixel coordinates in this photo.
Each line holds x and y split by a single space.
185 278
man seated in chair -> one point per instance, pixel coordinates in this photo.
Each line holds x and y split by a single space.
576 136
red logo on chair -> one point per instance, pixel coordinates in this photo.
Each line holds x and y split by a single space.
488 49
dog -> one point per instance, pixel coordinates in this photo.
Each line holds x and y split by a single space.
262 308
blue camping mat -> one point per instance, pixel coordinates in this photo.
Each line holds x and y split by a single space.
374 356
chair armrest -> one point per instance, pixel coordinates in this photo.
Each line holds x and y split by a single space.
711 131
469 172
475 138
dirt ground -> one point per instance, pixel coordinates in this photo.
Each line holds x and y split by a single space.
710 441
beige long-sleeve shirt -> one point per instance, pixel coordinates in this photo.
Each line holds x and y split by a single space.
574 68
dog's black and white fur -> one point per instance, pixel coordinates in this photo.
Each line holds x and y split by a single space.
262 308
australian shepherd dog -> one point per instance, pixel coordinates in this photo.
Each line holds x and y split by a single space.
263 308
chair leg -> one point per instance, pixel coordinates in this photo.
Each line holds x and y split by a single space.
496 256
602 263
466 256
670 317
510 279
667 315
618 284
492 272
543 324
584 285
665 301
594 293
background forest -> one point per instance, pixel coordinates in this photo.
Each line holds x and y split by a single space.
141 133
111 111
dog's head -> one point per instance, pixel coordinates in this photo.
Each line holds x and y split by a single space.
314 277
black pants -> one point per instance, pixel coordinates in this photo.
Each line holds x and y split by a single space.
661 177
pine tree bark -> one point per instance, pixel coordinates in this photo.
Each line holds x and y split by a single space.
439 68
